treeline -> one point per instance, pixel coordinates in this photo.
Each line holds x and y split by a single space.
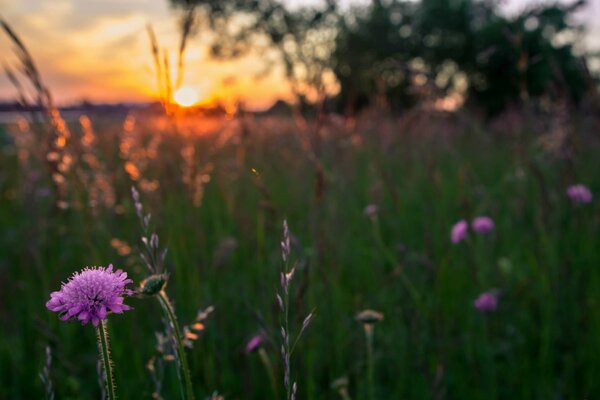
398 53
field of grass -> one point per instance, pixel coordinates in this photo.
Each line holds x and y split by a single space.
218 200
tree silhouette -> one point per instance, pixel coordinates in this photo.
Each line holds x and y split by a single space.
397 52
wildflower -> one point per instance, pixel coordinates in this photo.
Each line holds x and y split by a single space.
459 231
90 294
340 382
153 284
486 302
579 194
483 225
254 343
369 317
340 385
371 210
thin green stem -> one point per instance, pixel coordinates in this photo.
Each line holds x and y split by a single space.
104 347
287 344
390 258
264 358
370 362
183 372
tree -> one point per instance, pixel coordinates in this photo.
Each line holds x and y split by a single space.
301 38
396 52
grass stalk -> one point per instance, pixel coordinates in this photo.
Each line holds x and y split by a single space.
390 258
183 372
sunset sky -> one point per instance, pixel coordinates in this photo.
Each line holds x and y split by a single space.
99 50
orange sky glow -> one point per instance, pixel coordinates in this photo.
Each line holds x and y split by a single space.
99 50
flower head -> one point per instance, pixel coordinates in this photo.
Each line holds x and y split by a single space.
580 194
483 225
153 284
486 302
90 294
371 210
254 343
369 317
459 231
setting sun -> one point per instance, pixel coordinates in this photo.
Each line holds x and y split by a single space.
186 96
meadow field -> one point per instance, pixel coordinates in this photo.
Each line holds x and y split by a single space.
370 203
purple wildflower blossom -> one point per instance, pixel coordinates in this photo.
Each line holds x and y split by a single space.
486 302
483 225
254 343
580 194
371 210
459 231
90 294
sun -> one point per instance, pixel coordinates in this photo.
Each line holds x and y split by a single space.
186 96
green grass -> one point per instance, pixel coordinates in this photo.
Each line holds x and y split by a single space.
543 341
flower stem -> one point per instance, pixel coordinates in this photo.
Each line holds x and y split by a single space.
104 347
183 372
370 362
389 256
264 358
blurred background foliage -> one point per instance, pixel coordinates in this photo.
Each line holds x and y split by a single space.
407 50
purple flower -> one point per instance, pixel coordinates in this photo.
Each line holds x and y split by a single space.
371 210
487 302
90 294
459 231
254 343
579 194
483 225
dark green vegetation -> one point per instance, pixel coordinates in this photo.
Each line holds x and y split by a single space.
542 342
